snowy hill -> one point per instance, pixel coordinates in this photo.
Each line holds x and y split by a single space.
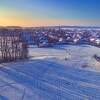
78 55
48 76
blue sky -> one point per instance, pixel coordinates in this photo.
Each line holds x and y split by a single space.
50 12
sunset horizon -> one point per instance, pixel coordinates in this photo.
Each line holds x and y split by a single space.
35 13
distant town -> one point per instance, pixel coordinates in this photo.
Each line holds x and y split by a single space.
49 36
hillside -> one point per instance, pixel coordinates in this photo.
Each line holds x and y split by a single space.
48 76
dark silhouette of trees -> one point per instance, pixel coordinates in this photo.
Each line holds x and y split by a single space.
12 45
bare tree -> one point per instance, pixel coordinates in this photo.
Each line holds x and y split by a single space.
12 45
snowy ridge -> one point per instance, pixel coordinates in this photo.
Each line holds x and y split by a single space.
50 78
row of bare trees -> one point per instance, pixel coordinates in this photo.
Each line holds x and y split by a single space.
12 45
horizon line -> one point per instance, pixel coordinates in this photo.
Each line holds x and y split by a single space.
52 26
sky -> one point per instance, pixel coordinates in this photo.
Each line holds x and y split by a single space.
49 12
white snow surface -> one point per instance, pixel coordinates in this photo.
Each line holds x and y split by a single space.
75 55
53 74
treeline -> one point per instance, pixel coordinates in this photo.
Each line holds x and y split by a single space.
12 45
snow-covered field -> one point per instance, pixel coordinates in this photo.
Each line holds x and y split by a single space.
53 74
69 55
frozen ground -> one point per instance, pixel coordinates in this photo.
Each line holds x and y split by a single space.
69 55
48 76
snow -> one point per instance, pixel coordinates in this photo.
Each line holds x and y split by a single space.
37 53
78 55
48 76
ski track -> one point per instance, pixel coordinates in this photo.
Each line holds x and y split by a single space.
50 81
46 79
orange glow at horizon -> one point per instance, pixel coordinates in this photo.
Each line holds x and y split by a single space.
17 18
49 13
13 17
38 22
